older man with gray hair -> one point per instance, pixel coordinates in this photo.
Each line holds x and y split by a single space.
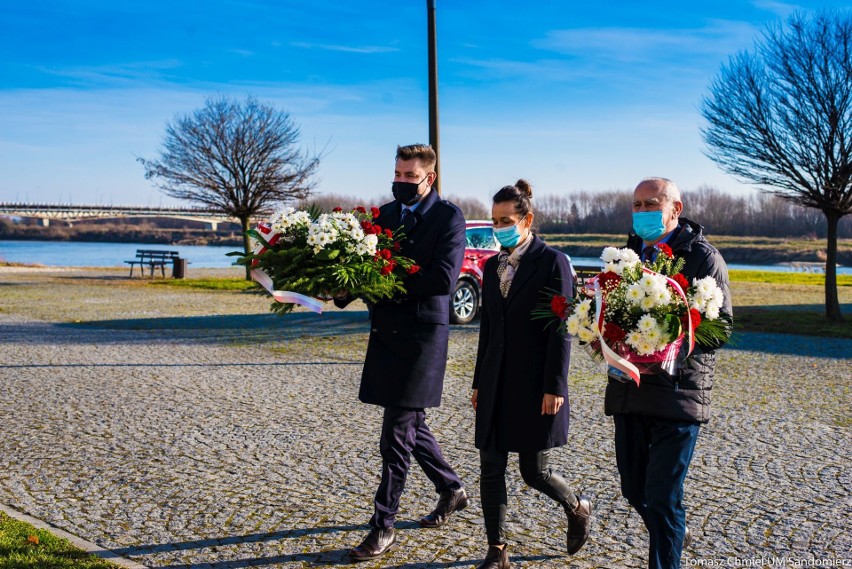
657 422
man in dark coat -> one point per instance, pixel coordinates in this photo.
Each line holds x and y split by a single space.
657 422
407 352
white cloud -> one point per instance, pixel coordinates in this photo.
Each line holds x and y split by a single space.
639 44
368 49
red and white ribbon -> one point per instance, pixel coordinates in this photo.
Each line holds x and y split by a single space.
282 296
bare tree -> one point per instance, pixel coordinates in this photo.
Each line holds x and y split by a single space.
781 117
238 157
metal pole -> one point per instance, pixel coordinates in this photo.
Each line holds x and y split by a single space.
433 90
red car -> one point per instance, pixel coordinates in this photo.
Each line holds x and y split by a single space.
481 245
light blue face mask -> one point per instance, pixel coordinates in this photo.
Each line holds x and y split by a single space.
508 236
648 224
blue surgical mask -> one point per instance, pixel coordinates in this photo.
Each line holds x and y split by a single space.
649 224
508 236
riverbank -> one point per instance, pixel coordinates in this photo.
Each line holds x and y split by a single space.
736 250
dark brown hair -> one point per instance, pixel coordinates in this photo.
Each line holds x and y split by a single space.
422 152
520 194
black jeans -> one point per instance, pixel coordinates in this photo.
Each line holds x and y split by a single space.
534 471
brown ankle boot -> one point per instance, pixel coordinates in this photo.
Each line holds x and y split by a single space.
496 558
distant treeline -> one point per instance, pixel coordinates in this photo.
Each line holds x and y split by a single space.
720 213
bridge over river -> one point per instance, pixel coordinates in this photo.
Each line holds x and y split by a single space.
70 213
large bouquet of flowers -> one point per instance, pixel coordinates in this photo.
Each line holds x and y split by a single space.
307 257
635 317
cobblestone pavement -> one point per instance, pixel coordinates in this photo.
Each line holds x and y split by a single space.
184 439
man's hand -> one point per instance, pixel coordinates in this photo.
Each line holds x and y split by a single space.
473 398
551 404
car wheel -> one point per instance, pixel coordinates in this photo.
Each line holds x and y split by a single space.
464 303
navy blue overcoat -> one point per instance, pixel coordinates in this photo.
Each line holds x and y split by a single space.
520 358
407 352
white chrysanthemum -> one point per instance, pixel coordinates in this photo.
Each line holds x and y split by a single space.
313 239
662 296
629 256
586 335
648 282
654 335
633 338
583 307
610 254
712 312
646 323
705 286
572 324
613 267
645 348
647 303
635 293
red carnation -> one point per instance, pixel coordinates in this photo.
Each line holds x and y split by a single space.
681 280
413 269
559 306
388 269
665 249
375 229
367 226
397 247
389 233
613 333
360 209
385 254
337 209
693 315
375 212
609 280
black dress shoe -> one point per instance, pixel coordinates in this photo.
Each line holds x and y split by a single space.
449 502
579 521
377 543
496 558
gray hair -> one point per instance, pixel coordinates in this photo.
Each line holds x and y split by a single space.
668 189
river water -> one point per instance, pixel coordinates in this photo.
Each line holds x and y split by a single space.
85 254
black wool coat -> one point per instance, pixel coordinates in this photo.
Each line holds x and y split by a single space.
520 358
407 352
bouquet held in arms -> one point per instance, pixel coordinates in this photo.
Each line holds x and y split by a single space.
641 318
307 257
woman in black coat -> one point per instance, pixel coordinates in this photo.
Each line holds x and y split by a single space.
520 386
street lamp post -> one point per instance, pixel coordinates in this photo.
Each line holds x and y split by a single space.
433 89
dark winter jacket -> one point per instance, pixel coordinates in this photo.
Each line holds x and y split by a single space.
686 395
520 358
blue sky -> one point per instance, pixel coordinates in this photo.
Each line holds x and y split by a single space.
570 95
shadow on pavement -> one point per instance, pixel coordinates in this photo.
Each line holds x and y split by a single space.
790 344
150 548
316 559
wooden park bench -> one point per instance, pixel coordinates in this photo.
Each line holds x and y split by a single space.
152 259
585 272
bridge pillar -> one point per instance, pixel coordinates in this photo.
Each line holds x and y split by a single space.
213 225
45 222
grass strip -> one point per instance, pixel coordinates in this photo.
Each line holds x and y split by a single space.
24 547
238 284
785 277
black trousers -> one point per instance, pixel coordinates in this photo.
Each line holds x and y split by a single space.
536 474
405 433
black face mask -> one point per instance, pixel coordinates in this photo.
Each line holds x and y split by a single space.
406 192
